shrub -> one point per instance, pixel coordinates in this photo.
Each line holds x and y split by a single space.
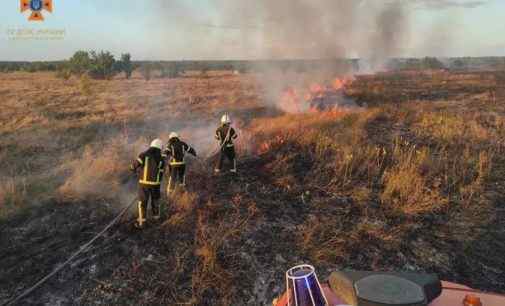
126 65
103 65
80 62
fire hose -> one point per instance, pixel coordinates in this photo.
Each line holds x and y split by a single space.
74 255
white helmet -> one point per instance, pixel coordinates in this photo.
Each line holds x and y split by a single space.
157 143
225 119
173 135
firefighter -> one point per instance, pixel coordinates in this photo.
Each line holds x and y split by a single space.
149 168
226 135
175 152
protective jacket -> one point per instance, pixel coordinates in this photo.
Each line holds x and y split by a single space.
149 167
176 151
225 134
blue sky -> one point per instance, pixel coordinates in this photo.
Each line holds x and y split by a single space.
217 29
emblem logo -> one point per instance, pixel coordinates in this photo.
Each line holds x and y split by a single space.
36 7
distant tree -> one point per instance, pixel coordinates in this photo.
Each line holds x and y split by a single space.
103 65
10 66
63 71
458 64
432 63
30 68
126 65
80 62
412 63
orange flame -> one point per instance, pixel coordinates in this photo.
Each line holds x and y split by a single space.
268 145
340 84
291 99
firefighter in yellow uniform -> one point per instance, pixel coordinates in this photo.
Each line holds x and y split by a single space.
149 168
226 136
175 153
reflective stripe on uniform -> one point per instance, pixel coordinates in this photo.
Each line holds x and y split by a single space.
145 180
141 218
160 171
149 183
140 160
169 185
176 163
146 168
230 145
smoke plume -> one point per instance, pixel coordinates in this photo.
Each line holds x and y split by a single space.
316 29
296 29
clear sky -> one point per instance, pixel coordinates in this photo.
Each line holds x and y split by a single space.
217 29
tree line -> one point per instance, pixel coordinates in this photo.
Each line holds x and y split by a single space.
103 65
29 66
97 65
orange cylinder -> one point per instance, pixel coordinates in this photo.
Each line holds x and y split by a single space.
471 300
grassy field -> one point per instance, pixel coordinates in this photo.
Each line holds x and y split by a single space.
412 182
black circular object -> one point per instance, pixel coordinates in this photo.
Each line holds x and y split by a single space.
389 290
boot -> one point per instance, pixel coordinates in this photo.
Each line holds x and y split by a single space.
234 169
156 211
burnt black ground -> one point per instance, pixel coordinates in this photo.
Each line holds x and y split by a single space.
157 266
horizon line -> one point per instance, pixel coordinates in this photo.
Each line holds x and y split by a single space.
271 59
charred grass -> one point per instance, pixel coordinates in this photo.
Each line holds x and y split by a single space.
414 187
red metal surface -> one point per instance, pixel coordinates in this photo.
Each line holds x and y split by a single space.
330 296
452 295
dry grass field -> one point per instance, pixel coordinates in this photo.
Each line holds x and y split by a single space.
414 181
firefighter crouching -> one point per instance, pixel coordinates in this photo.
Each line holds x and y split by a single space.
149 168
175 152
226 135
